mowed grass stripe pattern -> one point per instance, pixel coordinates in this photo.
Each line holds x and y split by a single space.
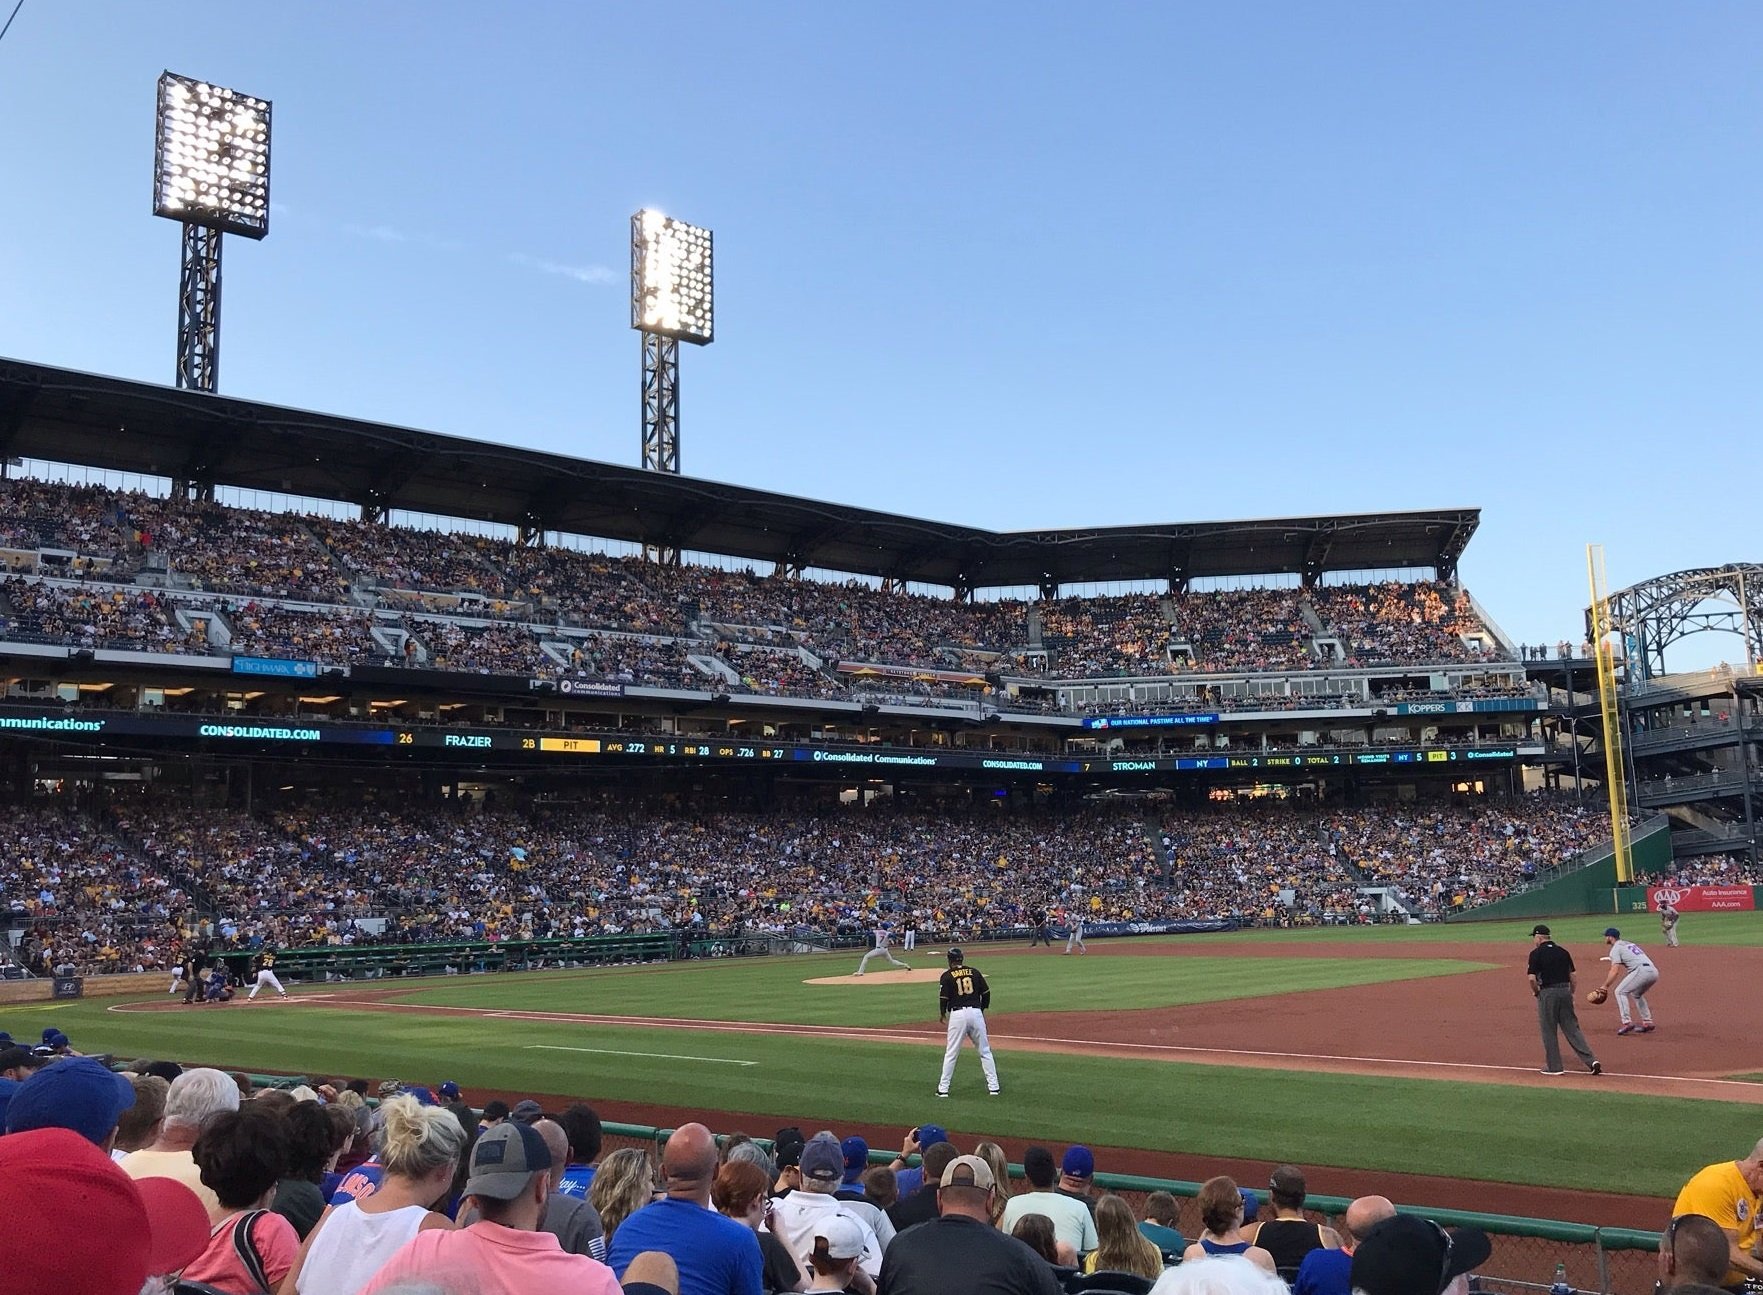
1716 930
773 989
1551 1137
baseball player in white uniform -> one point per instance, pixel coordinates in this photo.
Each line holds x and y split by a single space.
962 997
882 937
1668 923
1638 974
1075 935
265 976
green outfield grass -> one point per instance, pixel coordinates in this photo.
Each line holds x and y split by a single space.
1551 1137
772 989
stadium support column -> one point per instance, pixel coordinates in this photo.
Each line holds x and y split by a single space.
199 310
1738 714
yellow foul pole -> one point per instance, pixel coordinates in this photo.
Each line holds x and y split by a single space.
1615 781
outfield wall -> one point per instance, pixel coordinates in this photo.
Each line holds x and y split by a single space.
42 988
1589 889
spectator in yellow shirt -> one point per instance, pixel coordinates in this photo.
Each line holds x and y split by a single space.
1730 1193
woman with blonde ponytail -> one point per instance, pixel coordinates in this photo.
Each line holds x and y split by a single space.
419 1147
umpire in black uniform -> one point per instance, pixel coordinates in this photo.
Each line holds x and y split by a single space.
1552 983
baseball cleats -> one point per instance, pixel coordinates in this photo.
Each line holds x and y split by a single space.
995 1092
1627 1028
1556 1073
1646 1027
1597 1067
942 1094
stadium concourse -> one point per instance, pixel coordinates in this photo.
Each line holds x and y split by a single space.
131 883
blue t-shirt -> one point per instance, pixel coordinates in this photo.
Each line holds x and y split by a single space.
358 1184
1325 1272
576 1181
715 1255
908 1181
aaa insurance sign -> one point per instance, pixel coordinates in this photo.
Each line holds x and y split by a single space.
1701 899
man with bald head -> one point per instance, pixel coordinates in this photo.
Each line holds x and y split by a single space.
715 1255
1330 1272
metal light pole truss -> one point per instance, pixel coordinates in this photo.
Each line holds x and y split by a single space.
1656 613
198 363
1604 643
660 403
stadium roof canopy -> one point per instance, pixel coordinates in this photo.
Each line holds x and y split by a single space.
213 440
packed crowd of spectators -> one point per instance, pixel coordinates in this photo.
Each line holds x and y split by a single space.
338 638
121 891
138 620
138 1175
1245 629
479 648
780 672
1399 621
659 663
1125 633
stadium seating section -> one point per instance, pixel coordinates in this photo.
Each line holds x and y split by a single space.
99 568
119 889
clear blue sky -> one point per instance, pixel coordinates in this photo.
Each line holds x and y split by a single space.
1007 264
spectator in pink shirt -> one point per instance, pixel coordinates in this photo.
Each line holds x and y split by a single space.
503 1253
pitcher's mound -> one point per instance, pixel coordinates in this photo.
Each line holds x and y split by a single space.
917 976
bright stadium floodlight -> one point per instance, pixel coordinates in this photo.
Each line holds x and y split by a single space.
671 278
211 175
672 301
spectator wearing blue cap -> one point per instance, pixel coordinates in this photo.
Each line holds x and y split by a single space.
1077 1171
449 1091
910 1178
856 1161
55 1043
74 1093
796 1216
855 1198
1072 1222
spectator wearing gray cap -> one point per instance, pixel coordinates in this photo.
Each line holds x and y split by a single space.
960 1252
796 1216
504 1252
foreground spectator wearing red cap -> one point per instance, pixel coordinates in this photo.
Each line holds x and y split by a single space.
77 1225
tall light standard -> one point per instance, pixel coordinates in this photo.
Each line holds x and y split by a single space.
210 174
672 301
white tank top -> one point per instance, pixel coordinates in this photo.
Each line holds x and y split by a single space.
353 1246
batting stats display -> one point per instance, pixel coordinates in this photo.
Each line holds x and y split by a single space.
208 730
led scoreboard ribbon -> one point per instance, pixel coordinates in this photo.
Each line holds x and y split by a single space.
97 726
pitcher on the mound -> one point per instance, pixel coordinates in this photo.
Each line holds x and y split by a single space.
962 997
883 937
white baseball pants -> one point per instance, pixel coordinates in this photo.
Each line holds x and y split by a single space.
911 939
1634 986
266 977
1075 940
881 953
968 1023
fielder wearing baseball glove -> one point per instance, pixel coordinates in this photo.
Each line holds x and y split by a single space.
1597 996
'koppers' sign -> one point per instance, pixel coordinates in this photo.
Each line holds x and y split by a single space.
1702 899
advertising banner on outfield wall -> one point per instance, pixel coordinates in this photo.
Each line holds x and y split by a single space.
1702 899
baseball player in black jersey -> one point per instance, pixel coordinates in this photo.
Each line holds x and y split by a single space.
962 997
266 976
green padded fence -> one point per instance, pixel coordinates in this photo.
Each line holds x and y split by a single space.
1587 889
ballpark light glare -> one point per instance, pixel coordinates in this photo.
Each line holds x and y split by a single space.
211 166
672 270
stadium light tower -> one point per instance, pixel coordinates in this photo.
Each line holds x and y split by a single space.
210 174
672 301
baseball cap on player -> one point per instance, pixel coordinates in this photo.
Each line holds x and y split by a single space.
823 1159
1409 1255
504 1160
1539 929
956 956
842 1238
1612 933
